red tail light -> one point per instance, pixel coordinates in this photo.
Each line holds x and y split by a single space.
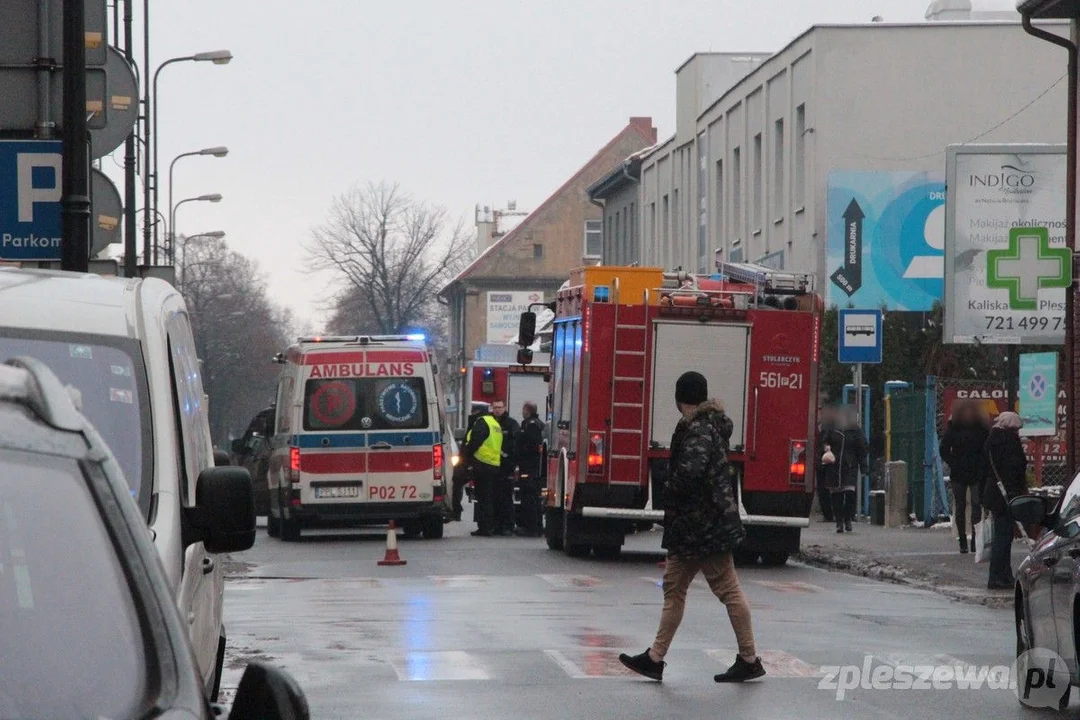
294 464
797 474
596 454
437 459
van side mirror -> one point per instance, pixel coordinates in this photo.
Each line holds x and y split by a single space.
224 514
267 693
527 329
1029 509
524 356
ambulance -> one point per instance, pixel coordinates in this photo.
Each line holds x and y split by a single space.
359 437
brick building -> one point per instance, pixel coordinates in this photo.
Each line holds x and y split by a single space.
531 261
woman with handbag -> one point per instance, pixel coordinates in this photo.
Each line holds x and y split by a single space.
844 456
1007 479
963 448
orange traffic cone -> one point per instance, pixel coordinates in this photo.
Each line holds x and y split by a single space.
391 557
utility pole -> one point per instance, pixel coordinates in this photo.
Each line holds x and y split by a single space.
131 249
75 202
148 251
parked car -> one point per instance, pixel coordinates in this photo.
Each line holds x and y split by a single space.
127 346
1047 585
252 451
88 622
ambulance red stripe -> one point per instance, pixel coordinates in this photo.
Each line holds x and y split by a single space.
333 463
390 461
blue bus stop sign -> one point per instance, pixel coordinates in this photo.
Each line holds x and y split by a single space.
30 187
859 338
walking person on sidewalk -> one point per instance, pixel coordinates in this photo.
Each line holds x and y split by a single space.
1006 479
701 528
844 454
963 449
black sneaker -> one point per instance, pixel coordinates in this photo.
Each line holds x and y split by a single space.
643 665
481 533
741 671
503 533
847 525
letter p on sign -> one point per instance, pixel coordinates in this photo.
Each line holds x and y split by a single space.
41 192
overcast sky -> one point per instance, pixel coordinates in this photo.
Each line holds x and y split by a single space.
461 102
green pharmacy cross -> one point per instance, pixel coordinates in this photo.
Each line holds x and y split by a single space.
1027 266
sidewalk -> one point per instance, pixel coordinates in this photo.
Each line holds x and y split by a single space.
928 558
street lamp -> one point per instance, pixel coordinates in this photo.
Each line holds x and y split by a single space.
214 234
212 197
217 151
217 57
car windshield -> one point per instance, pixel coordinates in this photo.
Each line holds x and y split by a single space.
108 374
72 643
396 403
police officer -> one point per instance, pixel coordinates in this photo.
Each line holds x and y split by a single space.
530 446
484 454
503 490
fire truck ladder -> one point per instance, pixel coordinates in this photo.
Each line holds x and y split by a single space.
628 387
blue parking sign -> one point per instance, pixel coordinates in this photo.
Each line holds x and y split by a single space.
858 335
30 188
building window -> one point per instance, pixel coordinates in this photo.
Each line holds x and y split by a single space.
778 170
800 156
616 240
736 194
652 233
703 202
756 185
665 228
594 238
632 249
538 251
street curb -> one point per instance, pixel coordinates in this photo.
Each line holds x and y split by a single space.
866 566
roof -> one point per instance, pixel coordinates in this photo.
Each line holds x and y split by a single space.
72 302
627 171
636 124
1049 8
873 26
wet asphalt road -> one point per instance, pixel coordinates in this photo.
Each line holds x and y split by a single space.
505 628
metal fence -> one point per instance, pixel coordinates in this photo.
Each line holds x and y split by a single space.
911 437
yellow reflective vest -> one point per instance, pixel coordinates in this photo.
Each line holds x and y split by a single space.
490 452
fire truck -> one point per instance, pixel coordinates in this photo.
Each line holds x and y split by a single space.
487 381
622 336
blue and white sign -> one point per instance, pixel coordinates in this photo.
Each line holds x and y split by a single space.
859 336
399 403
886 238
1038 394
30 188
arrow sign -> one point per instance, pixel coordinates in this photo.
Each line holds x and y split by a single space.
849 277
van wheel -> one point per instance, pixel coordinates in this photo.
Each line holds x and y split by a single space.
290 530
433 527
774 559
411 529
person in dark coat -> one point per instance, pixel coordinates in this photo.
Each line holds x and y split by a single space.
530 448
1007 467
963 449
482 453
503 490
701 529
844 454
826 419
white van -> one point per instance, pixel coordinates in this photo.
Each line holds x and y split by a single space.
127 346
359 437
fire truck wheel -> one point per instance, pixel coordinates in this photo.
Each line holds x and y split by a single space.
578 550
774 559
553 526
607 552
744 558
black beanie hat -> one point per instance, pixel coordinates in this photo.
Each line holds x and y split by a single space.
691 388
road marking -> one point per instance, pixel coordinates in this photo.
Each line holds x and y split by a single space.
778 663
435 666
790 587
590 664
919 660
459 581
571 581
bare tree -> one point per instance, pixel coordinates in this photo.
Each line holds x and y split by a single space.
237 331
391 254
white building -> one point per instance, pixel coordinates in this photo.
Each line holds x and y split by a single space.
747 172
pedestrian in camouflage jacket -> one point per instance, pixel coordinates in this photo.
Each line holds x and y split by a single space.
700 517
